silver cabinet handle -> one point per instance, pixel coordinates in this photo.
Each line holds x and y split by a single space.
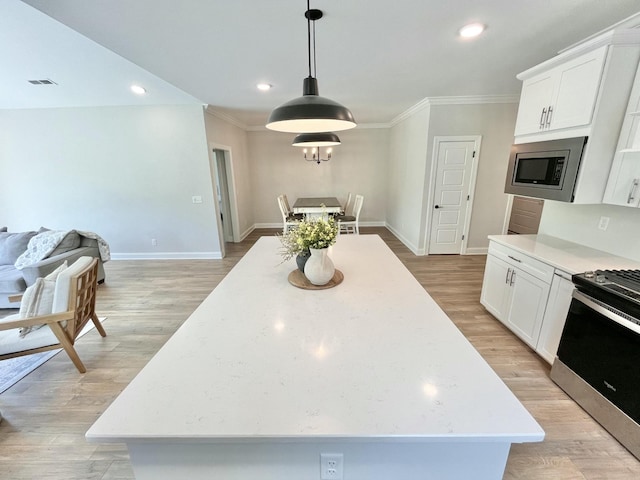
513 278
514 258
632 192
542 117
506 280
549 113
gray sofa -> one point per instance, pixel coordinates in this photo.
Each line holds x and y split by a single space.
14 281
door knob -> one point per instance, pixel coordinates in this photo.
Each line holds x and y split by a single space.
437 206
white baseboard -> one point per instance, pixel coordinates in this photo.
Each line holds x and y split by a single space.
415 250
168 256
246 233
477 251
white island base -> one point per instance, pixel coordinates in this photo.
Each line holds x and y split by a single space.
265 377
277 460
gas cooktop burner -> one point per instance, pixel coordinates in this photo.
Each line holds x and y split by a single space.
618 288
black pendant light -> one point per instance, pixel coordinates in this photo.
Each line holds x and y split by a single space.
324 139
314 141
310 113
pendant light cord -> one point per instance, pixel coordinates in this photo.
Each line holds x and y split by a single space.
315 72
309 36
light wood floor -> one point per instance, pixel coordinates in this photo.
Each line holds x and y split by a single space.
48 412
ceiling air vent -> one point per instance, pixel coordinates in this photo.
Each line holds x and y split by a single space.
46 81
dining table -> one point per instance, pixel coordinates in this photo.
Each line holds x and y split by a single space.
317 207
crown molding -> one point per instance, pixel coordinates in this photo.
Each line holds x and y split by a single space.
609 38
422 104
458 100
226 117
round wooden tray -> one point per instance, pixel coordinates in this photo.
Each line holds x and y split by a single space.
297 279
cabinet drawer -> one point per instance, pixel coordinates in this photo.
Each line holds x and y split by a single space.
524 262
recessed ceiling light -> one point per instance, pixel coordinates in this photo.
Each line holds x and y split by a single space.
264 87
138 90
472 30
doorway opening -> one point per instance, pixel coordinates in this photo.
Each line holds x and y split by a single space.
224 193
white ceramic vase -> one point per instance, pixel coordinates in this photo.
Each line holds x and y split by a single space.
319 268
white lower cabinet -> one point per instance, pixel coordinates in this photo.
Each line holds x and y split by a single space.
555 315
530 297
514 297
526 308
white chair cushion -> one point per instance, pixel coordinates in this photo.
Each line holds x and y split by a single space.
63 284
38 298
10 340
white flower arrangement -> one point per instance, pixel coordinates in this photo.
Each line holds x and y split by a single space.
309 233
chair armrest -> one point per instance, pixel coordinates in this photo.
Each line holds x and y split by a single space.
42 319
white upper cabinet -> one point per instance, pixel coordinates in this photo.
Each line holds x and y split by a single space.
582 92
623 187
563 97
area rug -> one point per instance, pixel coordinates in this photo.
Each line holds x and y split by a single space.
15 369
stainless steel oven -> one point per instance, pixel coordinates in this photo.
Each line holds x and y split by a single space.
598 360
545 169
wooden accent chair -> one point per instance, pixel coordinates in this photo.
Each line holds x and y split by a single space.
74 303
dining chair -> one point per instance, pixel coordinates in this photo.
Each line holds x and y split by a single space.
349 223
348 206
288 221
290 214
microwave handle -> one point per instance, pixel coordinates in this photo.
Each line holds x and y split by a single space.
632 192
542 117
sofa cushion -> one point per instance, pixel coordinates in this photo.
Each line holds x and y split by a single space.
11 280
70 242
12 245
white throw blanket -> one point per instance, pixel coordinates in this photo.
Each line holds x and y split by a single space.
41 245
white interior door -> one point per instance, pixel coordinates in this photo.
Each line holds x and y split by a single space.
452 192
222 194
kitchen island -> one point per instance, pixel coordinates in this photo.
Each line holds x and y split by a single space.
265 377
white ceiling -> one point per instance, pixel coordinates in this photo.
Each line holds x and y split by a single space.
377 57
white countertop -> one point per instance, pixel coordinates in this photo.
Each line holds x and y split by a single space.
372 359
567 256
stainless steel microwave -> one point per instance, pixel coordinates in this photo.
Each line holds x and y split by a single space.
545 169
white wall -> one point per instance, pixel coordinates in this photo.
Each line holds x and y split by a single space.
495 123
359 165
579 224
411 145
126 173
221 132
407 164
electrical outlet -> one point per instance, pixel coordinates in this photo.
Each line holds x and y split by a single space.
154 242
604 223
196 199
331 466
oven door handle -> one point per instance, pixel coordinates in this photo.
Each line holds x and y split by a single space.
606 311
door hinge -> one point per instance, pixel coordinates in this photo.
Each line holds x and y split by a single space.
467 198
474 154
462 237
